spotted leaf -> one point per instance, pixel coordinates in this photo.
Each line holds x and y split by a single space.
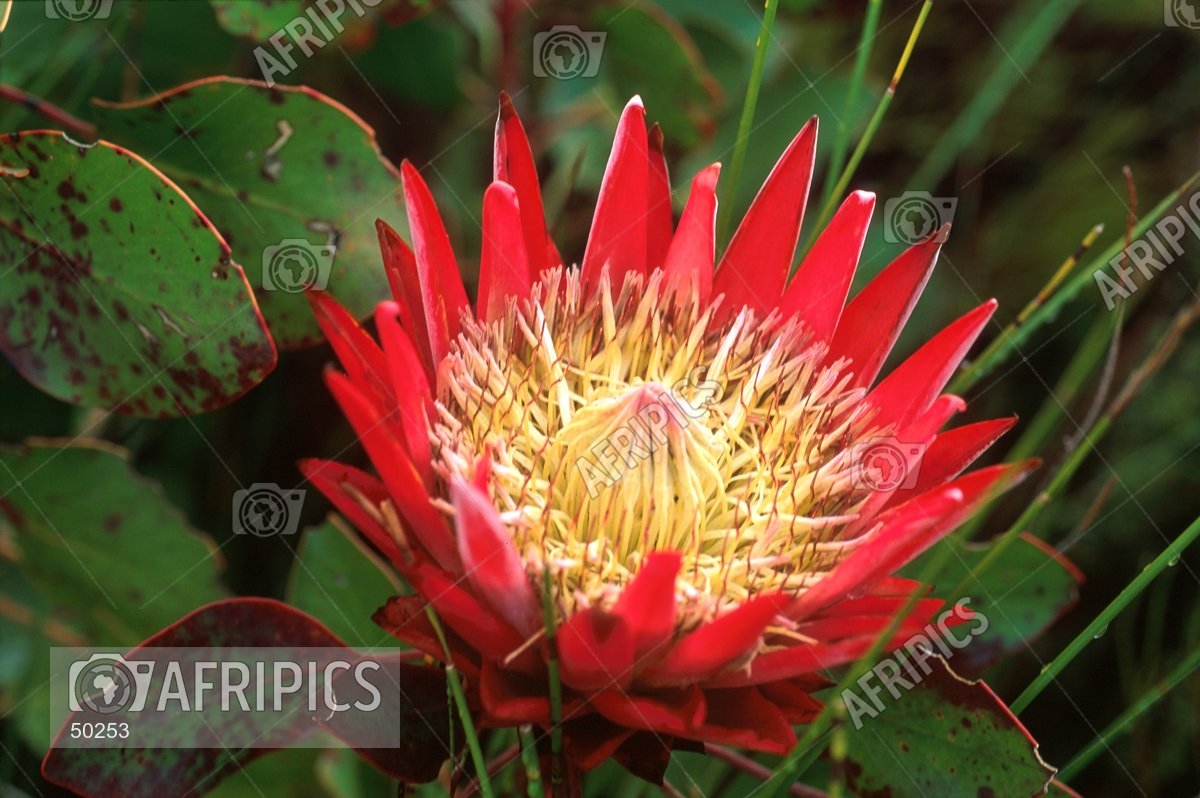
117 292
291 178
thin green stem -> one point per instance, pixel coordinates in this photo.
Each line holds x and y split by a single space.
749 106
1169 557
806 751
1143 704
529 758
464 709
843 181
862 56
1026 35
1016 334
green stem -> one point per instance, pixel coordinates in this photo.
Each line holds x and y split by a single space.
1169 557
806 750
862 56
464 709
1135 710
843 181
529 758
1026 34
748 107
1016 334
1092 351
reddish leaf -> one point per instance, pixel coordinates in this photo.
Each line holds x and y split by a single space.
247 622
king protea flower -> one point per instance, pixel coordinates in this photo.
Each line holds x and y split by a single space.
668 455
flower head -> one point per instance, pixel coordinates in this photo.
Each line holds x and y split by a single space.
694 468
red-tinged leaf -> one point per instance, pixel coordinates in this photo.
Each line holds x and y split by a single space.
941 736
618 236
756 263
504 271
164 772
514 165
1021 594
117 291
292 178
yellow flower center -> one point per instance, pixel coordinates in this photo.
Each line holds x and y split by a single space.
627 421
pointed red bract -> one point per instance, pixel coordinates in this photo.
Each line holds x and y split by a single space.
915 383
442 292
756 264
691 257
818 292
871 323
504 273
659 218
489 560
513 164
618 236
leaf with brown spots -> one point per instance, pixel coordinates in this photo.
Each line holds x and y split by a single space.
116 292
113 559
272 166
939 735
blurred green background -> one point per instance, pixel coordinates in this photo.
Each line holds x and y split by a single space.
1025 112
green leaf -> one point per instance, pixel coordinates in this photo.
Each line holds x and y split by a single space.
117 291
261 19
256 20
946 737
1021 594
678 91
340 583
291 178
112 558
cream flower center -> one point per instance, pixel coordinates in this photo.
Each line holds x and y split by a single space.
633 421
